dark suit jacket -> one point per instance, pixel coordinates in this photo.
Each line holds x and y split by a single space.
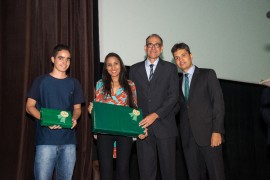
160 95
203 114
265 110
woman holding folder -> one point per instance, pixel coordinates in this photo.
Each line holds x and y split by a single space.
115 88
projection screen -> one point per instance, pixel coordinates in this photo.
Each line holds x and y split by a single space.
232 36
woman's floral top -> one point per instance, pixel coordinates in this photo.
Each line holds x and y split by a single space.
119 98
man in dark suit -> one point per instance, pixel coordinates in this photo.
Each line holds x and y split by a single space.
157 90
201 117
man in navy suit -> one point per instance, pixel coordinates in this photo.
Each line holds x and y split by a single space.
157 87
201 117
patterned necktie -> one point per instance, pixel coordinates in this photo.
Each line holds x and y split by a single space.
151 71
186 86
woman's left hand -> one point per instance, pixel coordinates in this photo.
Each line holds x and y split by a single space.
143 136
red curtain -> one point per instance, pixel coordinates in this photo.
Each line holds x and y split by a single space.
29 31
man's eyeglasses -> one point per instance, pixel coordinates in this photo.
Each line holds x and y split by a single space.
150 45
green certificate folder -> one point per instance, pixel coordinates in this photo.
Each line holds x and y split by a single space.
50 117
116 120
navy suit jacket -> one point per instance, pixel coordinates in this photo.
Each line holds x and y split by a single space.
160 95
204 111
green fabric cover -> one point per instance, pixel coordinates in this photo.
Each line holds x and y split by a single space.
116 120
50 117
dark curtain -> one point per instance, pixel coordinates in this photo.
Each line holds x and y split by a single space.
29 31
246 153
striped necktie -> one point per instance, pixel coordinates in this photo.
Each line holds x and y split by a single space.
186 86
151 71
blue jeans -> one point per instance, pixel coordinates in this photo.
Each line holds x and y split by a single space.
60 158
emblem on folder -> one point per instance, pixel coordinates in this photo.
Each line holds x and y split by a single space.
135 113
62 116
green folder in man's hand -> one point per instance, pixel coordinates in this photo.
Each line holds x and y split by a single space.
50 117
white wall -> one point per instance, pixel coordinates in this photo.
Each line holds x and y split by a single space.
230 36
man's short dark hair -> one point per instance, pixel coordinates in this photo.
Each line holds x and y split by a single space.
60 47
179 46
154 35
